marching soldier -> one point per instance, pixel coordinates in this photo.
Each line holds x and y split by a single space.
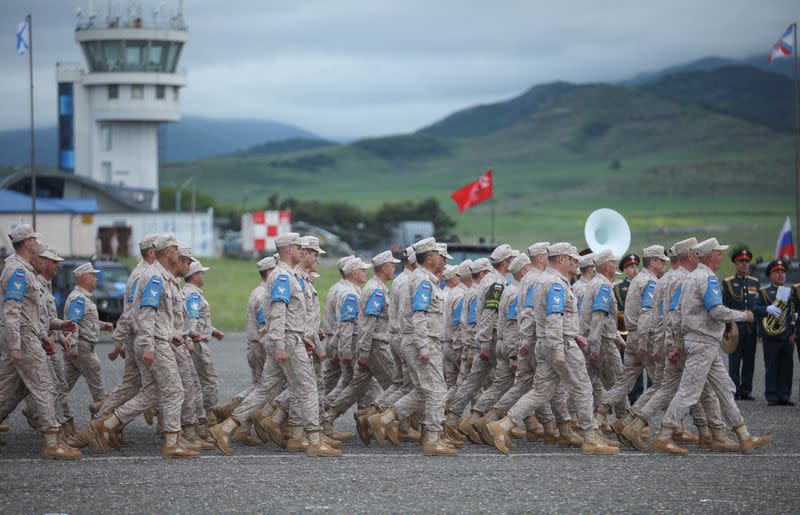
453 290
779 341
740 292
629 265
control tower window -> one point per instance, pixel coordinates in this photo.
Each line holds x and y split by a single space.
135 55
112 56
113 91
132 55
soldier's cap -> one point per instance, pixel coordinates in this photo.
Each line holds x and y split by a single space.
342 260
383 258
147 242
410 255
48 253
22 232
353 264
464 269
708 246
538 249
85 268
563 249
195 267
501 253
450 272
425 245
311 242
630 259
603 257
184 251
655 251
671 253
586 260
684 246
775 266
741 253
268 263
284 240
479 265
163 241
519 262
441 248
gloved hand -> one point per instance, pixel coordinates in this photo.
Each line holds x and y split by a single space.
774 310
581 341
486 354
363 362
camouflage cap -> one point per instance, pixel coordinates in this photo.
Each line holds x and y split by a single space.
268 263
519 262
85 268
383 258
22 232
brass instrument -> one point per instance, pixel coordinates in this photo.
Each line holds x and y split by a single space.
776 325
730 343
621 323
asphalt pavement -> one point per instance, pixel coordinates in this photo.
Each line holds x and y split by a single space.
535 478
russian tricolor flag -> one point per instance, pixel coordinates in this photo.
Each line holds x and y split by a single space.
785 46
785 246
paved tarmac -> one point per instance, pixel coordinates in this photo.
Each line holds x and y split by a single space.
535 478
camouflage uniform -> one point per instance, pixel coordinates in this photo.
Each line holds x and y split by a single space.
81 309
453 306
199 313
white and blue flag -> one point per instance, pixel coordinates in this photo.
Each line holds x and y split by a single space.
23 37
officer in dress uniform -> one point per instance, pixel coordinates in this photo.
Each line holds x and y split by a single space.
778 349
740 292
629 265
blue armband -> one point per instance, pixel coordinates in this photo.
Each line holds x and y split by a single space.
472 312
555 300
132 294
529 297
602 300
647 294
349 308
281 289
16 286
421 300
262 320
676 298
375 303
712 296
512 309
457 312
76 310
193 302
151 294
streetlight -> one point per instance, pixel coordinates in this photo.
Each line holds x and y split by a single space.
178 193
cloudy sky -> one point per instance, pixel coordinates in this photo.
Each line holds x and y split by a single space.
347 69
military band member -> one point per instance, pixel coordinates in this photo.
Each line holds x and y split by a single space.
740 292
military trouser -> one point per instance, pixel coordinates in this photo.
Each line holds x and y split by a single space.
607 371
576 384
401 378
523 382
331 372
704 413
503 379
31 376
632 368
256 354
207 373
345 377
284 400
428 394
60 405
161 387
451 367
463 372
380 368
297 372
191 389
130 385
703 363
481 369
87 364
741 363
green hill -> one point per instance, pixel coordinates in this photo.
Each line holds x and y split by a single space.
558 152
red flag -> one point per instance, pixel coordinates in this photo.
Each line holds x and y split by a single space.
474 192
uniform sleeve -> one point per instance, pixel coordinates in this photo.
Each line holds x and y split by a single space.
712 299
723 314
760 307
420 323
485 328
277 323
12 312
346 314
73 337
364 344
145 336
598 320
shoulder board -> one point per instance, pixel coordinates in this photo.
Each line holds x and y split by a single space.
492 298
193 303
729 278
16 286
281 289
555 300
76 310
349 308
151 294
421 299
375 303
752 278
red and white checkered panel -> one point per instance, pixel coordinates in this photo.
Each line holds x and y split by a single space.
267 225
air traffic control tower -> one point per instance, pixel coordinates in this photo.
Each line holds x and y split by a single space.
109 113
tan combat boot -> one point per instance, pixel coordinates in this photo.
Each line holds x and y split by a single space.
567 437
748 442
297 442
55 449
533 429
466 428
550 432
704 437
414 421
202 432
69 427
393 432
407 434
242 436
222 433
257 418
116 438
32 420
211 417
96 435
316 447
159 423
682 436
633 434
451 427
433 445
379 422
594 444
149 415
271 426
223 411
173 449
620 424
499 429
95 407
195 442
664 443
481 423
362 423
720 441
327 428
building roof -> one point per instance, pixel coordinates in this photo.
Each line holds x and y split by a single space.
13 202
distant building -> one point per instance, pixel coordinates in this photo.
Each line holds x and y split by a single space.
109 113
